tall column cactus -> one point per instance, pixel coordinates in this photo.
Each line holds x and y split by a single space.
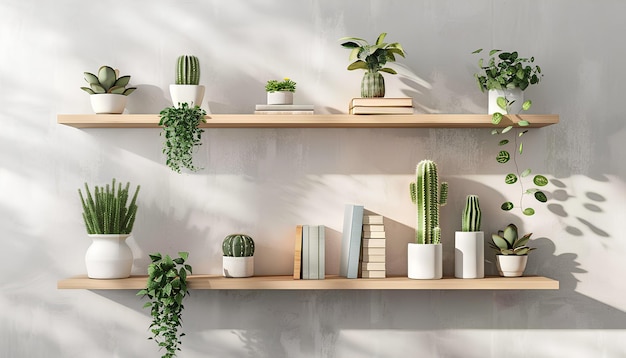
471 214
428 196
188 70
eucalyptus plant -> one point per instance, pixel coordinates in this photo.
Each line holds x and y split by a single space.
182 134
107 210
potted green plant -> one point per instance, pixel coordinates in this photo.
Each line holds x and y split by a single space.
238 259
372 59
109 220
511 251
182 134
424 259
107 90
506 74
280 92
469 243
166 288
187 88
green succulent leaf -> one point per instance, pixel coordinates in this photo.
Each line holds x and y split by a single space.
507 206
510 178
91 78
541 197
503 157
540 180
500 242
522 251
88 90
529 211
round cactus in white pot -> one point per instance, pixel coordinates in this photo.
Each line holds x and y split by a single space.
238 259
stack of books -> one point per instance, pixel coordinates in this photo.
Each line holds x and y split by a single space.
403 105
373 247
288 109
309 256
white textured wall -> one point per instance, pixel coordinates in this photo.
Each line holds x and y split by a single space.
265 181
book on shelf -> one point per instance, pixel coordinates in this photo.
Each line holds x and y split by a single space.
374 234
368 243
322 252
374 274
382 102
310 249
373 259
297 255
367 257
351 241
373 251
285 107
373 220
284 112
373 266
381 110
370 227
305 253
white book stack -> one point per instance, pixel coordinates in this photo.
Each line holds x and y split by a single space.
285 109
373 246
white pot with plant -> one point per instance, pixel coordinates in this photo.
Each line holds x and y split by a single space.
372 59
109 220
238 259
107 91
425 258
187 88
280 92
511 251
469 243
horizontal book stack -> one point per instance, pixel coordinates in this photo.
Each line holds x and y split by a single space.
287 109
402 105
373 247
309 255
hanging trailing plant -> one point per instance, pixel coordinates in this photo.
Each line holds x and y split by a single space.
182 134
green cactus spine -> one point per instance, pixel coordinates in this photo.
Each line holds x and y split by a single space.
471 214
107 211
188 70
372 85
238 245
428 196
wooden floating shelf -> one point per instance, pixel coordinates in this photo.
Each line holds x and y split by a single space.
213 282
310 121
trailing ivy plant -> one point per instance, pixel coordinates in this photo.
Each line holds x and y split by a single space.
166 288
182 134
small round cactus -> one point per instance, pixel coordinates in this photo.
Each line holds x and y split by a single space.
238 245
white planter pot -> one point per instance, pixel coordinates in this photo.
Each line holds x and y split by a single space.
108 257
469 254
108 103
238 266
280 97
511 265
425 261
193 95
515 94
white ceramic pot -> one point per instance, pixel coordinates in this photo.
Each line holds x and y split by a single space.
108 103
280 97
469 254
511 265
238 266
515 94
193 95
425 261
108 257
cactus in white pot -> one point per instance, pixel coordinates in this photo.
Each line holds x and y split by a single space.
469 243
238 259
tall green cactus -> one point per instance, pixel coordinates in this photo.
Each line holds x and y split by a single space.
187 70
471 214
428 196
238 245
106 211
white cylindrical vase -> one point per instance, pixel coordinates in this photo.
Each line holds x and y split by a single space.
108 257
515 95
193 95
425 261
469 254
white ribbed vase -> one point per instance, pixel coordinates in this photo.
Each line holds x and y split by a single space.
108 257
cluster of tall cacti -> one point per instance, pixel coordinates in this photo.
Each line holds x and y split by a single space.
238 245
428 196
470 221
187 70
106 212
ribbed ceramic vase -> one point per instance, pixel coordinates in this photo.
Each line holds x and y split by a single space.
372 85
108 257
469 254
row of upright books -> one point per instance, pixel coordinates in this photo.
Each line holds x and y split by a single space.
401 105
363 244
309 255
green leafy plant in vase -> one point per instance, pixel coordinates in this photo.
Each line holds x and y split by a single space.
372 59
511 251
182 134
280 92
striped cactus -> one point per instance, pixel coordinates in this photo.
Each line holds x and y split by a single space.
471 214
238 245
187 70
428 196
372 85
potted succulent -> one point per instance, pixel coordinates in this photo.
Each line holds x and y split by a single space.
108 91
182 134
425 255
511 251
506 75
469 243
280 92
166 288
238 259
109 220
187 88
372 59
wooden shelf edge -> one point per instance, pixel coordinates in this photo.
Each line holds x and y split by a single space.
309 121
213 282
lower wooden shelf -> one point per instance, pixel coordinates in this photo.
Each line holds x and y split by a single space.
213 282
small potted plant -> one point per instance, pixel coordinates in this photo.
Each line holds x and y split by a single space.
511 251
182 134
469 243
109 220
187 88
280 92
506 75
166 288
372 59
238 259
108 91
425 255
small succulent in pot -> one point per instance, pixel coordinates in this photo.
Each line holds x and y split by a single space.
238 259
107 81
286 85
506 242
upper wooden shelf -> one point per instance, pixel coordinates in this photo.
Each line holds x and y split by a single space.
309 121
213 282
